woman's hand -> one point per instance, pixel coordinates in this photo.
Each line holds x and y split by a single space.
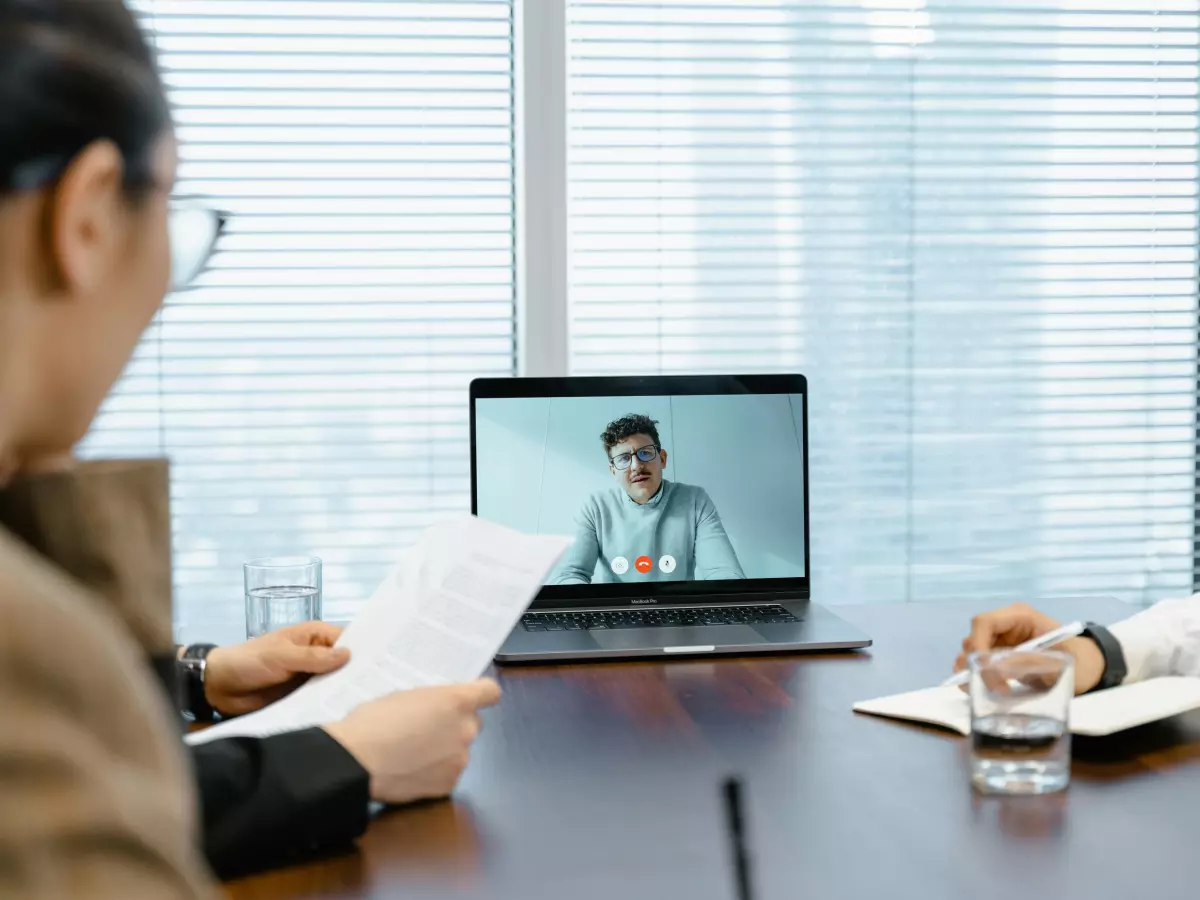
415 744
246 677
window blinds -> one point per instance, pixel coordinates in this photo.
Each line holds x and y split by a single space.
971 223
311 391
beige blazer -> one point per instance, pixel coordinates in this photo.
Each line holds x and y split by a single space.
96 800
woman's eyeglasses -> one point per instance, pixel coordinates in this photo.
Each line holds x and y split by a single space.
192 227
193 230
623 461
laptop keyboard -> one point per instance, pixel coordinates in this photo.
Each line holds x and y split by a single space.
656 618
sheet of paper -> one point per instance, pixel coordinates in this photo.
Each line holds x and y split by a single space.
1102 713
438 618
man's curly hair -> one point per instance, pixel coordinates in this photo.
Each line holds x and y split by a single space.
626 427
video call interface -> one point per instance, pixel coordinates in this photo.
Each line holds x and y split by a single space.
683 488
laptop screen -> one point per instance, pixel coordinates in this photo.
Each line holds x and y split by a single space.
691 488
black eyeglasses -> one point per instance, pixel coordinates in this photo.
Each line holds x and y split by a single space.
623 461
193 227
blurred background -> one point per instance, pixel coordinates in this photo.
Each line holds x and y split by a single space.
972 226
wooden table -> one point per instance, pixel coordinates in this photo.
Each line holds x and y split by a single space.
601 781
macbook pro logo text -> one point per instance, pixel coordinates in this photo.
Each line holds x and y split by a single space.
643 601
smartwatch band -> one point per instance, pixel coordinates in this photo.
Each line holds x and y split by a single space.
1115 668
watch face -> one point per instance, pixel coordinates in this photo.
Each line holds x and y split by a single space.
197 652
193 664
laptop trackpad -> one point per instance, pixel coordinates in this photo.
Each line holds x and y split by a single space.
658 638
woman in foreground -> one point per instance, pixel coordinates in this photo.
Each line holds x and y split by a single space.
97 797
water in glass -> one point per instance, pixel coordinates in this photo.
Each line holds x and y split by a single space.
1020 754
281 591
270 608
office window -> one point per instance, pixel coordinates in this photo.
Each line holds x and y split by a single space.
972 225
311 391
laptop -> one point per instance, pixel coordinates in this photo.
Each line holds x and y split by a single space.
688 501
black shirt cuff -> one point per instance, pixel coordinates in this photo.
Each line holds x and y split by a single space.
268 801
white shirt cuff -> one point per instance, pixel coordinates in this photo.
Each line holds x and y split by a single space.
1152 639
1141 643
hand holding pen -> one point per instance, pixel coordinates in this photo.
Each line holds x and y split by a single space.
1022 627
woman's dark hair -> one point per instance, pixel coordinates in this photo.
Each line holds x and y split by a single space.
73 72
626 427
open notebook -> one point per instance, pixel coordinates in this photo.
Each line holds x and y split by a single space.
1094 715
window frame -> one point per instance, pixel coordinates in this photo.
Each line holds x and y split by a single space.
543 254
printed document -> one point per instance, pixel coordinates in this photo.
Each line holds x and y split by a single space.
438 618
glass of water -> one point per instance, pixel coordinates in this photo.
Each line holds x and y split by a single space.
1020 734
281 591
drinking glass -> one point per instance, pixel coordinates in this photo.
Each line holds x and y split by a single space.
1020 734
281 591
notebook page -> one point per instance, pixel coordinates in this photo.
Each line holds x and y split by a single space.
1101 713
944 706
1130 705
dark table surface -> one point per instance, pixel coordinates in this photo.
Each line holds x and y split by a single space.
601 781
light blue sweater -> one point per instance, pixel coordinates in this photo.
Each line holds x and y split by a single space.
679 521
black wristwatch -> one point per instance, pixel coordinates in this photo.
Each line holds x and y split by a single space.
192 667
1115 669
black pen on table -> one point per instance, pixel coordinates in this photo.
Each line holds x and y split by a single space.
736 825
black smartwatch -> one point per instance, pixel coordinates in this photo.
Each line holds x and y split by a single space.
193 665
1115 669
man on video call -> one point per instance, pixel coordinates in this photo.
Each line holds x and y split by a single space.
646 528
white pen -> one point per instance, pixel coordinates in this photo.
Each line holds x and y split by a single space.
1045 642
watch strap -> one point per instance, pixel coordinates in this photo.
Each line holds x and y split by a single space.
1115 668
192 669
